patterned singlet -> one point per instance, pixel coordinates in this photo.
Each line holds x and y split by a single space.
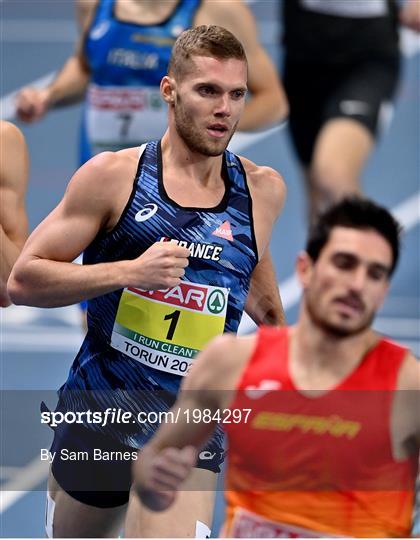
143 340
316 466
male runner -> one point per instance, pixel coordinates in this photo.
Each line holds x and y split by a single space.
121 57
197 224
320 441
14 169
340 74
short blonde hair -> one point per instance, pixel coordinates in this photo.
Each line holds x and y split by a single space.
204 40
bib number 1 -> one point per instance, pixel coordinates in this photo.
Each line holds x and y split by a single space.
166 329
173 317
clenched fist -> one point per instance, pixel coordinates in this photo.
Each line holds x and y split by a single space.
158 477
160 267
32 104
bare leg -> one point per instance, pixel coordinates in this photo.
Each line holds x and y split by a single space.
340 152
73 519
181 518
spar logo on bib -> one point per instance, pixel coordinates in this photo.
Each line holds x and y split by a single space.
216 301
165 329
183 295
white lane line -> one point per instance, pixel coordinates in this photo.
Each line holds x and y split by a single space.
409 42
398 327
7 102
28 478
20 315
241 140
408 212
22 340
6 473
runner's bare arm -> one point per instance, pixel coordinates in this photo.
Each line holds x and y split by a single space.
268 102
268 192
85 11
69 85
44 275
263 303
406 421
14 169
407 401
166 461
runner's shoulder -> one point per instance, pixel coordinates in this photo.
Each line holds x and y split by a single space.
409 375
111 165
10 132
265 181
105 175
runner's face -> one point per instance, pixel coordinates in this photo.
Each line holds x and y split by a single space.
209 102
349 281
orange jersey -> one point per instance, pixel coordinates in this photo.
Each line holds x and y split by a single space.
306 466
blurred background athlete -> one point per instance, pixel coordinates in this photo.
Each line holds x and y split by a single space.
341 71
121 57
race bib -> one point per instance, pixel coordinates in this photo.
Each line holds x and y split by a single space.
119 117
246 524
166 329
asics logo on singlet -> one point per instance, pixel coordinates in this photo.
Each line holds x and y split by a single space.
177 30
99 30
198 250
147 212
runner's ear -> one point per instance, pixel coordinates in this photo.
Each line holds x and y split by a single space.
167 89
303 268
